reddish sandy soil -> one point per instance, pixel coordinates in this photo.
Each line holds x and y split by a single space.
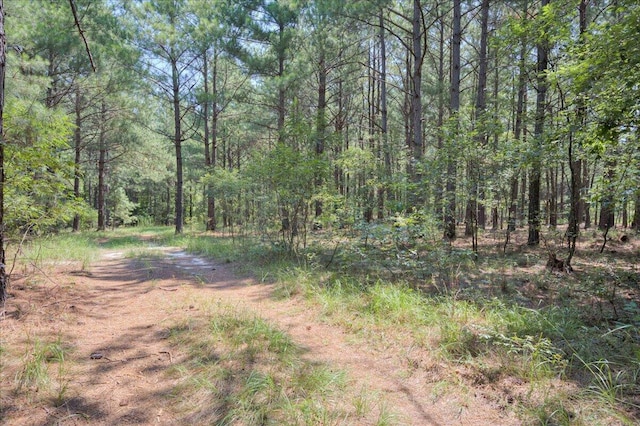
120 309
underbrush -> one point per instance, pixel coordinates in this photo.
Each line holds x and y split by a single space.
566 347
571 341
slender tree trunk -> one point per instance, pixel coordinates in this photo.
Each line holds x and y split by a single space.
4 279
77 137
586 187
321 121
553 197
102 167
211 201
607 205
384 191
538 133
281 85
474 216
496 218
440 181
561 189
210 225
416 100
516 212
450 211
364 187
177 141
407 112
572 227
635 224
575 164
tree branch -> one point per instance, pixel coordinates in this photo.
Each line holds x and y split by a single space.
81 31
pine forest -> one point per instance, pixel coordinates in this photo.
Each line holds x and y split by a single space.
453 183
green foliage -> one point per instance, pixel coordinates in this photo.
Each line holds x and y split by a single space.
38 173
289 174
121 208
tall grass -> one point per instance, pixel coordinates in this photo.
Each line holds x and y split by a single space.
38 252
35 376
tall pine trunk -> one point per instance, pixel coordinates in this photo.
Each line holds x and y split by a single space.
386 150
177 141
454 106
538 134
575 164
102 170
77 138
416 102
321 121
440 180
475 211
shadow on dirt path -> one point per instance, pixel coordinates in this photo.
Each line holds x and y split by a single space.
115 319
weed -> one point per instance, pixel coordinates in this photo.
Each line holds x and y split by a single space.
609 382
551 412
386 417
35 376
362 403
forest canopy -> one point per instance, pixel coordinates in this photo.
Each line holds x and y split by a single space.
285 116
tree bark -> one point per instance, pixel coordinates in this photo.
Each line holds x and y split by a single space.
416 99
607 205
586 187
281 86
77 137
575 164
386 150
635 224
553 197
210 222
321 120
102 166
177 141
440 181
450 211
538 133
475 215
211 201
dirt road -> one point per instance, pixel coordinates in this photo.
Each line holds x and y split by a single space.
115 317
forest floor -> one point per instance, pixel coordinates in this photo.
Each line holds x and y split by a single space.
114 319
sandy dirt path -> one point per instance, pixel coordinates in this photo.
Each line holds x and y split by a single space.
117 315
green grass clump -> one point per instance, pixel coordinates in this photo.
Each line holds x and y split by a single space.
242 370
35 375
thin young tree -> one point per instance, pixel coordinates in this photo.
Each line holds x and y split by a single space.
542 85
454 107
3 62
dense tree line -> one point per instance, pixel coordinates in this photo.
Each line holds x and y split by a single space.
286 115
